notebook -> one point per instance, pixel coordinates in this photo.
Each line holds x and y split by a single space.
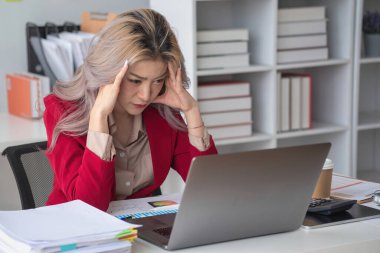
240 195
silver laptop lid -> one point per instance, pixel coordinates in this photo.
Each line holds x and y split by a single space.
247 194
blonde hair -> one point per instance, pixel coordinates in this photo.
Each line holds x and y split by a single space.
136 35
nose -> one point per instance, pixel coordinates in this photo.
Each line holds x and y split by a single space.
144 92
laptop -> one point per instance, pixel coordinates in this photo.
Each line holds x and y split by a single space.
240 195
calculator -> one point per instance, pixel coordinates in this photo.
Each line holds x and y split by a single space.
329 206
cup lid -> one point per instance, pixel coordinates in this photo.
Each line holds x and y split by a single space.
328 163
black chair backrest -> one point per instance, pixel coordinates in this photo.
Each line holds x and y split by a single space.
32 171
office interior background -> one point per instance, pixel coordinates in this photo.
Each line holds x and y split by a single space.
345 85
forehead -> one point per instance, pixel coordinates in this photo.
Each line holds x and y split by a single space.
148 68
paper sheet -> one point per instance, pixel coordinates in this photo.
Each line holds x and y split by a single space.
350 188
130 206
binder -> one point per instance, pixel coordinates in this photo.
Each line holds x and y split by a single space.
25 94
37 62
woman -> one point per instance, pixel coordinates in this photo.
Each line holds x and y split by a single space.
117 137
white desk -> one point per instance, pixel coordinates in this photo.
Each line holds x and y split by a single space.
15 131
346 238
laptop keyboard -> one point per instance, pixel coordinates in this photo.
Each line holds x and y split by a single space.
164 231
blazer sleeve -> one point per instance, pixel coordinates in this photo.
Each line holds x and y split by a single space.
184 152
79 173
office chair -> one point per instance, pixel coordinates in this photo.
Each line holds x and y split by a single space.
32 171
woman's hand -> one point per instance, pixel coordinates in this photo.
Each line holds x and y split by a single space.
105 103
176 95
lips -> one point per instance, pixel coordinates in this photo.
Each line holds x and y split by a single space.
140 105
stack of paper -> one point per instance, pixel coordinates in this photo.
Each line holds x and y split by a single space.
73 226
343 187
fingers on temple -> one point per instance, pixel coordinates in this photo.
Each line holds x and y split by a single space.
121 74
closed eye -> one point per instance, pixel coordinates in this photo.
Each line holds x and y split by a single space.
134 81
159 81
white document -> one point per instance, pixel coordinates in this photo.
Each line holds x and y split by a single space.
56 59
67 51
131 206
350 188
79 47
52 226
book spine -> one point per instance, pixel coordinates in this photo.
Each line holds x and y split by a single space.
223 61
302 28
307 41
311 54
301 14
295 103
279 104
222 48
224 90
223 35
233 131
285 103
228 104
227 118
306 102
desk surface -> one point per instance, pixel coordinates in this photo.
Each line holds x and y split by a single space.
16 130
353 237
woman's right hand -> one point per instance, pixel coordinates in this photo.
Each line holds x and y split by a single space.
105 102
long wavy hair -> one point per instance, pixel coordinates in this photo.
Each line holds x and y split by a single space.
141 34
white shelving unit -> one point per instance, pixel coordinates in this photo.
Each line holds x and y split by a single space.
332 79
366 103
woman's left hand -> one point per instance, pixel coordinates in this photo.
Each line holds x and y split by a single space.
176 95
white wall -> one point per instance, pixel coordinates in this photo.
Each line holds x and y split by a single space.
13 17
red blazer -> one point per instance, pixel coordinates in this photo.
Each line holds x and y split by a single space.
80 174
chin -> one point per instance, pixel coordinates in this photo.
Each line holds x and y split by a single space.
135 111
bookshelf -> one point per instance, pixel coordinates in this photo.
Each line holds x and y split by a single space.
332 87
366 103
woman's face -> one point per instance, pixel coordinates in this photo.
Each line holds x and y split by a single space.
141 85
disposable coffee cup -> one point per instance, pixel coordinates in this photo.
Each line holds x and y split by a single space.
323 188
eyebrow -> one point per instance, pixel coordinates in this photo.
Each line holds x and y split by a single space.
145 78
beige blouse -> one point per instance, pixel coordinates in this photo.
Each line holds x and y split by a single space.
133 163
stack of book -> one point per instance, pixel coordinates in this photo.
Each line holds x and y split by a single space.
302 34
73 226
226 108
222 48
294 95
